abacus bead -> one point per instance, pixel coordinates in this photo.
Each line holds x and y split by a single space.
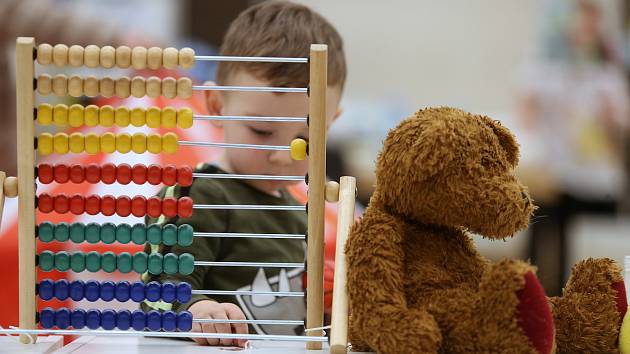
92 290
62 203
154 86
108 263
154 174
154 234
123 87
170 58
108 57
44 114
75 115
62 318
139 173
75 55
77 262
139 58
154 207
91 56
184 321
186 263
91 115
44 54
77 204
77 173
138 320
139 143
108 233
60 115
47 318
60 55
169 235
153 291
46 231
169 175
77 290
185 118
123 143
169 321
106 116
139 234
46 289
62 232
92 173
108 319
92 263
90 86
123 206
154 143
169 143
108 290
154 58
184 235
169 292
186 58
62 289
77 318
153 117
185 207
184 88
107 87
44 84
123 57
92 204
60 85
46 261
169 87
60 143
92 143
61 173
45 203
138 86
108 173
155 263
93 319
75 86
169 207
138 117
108 205
139 206
76 143
184 292
154 320
93 233
170 263
62 261
123 320
45 144
123 233
169 117
298 149
125 262
184 176
121 116
77 233
45 173
140 262
108 142
123 173
137 291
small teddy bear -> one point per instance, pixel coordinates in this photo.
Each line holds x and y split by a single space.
416 283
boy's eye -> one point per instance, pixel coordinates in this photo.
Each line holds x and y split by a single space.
260 131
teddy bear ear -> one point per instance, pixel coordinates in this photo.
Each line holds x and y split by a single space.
507 141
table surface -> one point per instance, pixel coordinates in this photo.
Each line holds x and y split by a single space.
44 345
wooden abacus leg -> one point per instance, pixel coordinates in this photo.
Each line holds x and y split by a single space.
25 68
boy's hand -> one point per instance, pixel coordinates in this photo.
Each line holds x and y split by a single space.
220 311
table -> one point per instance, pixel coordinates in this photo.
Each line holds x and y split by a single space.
44 345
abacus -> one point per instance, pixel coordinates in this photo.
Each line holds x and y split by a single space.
153 323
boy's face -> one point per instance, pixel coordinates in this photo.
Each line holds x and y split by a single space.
267 162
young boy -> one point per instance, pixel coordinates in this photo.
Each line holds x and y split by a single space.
274 29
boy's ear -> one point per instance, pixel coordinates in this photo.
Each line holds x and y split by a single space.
214 103
338 113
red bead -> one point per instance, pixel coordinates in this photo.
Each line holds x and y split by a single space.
154 207
45 173
154 174
185 207
93 173
92 204
139 206
123 173
169 175
108 173
184 176
77 204
169 207
45 203
77 173
108 205
139 173
62 203
62 173
123 206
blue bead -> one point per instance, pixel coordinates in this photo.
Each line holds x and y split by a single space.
169 292
62 318
123 320
47 318
138 320
93 319
108 319
108 290
77 319
169 321
184 321
77 290
154 320
122 291
137 291
153 291
92 290
46 289
62 289
184 292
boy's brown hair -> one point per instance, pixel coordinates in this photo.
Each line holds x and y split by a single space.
281 29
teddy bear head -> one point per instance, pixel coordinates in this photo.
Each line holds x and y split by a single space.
444 166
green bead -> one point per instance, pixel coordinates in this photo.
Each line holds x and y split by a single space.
93 232
62 261
93 261
140 262
185 235
108 261
125 262
139 234
46 261
169 235
108 233
123 233
77 232
186 263
170 263
62 232
77 261
45 231
154 234
155 263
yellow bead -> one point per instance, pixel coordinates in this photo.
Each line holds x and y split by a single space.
123 143
75 115
138 117
92 143
106 116
44 114
76 143
298 149
91 115
139 143
154 143
185 118
45 144
121 116
169 117
60 115
108 143
153 117
60 143
169 143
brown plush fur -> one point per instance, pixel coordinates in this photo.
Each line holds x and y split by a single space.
415 280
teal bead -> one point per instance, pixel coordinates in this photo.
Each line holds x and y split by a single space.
139 234
62 232
186 263
171 263
77 261
154 234
77 232
93 261
46 261
140 262
155 263
45 231
108 261
169 235
123 233
108 233
62 261
125 262
185 235
93 232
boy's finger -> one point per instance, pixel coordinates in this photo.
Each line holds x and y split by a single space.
222 327
196 327
209 328
235 313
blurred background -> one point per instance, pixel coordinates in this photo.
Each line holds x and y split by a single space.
553 71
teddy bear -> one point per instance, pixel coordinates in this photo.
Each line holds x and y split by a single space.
417 284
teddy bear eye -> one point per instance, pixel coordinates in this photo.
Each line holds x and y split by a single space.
498 122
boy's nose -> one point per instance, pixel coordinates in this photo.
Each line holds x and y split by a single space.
280 157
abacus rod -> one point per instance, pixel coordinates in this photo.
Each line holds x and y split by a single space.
249 88
247 292
260 322
249 207
251 59
247 235
239 176
234 146
250 118
249 264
